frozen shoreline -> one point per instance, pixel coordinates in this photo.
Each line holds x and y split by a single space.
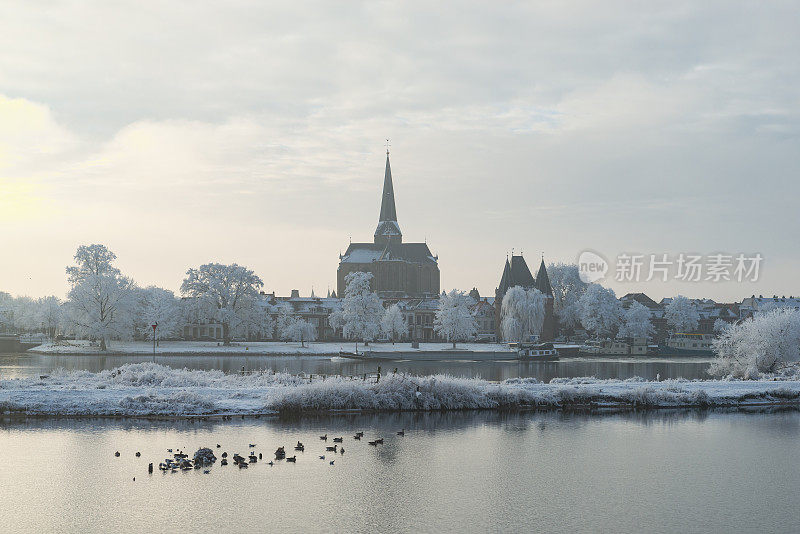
256 348
148 389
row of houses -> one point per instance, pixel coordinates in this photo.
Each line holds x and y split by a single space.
418 313
709 310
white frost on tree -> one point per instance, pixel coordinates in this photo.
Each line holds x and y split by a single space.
765 343
567 291
232 291
158 306
298 329
50 312
600 311
100 298
361 308
682 315
720 325
454 320
393 324
636 322
521 314
254 322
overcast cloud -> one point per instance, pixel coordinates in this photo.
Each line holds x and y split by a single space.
253 132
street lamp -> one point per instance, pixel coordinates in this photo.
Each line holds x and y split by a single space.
154 325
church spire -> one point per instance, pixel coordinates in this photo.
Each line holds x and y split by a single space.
388 231
388 211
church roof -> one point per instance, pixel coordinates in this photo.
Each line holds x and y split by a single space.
516 273
543 280
369 252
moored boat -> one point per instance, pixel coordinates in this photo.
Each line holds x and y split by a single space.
541 352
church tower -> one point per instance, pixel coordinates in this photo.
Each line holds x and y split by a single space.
400 270
388 231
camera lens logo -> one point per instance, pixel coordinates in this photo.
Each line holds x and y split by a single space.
592 267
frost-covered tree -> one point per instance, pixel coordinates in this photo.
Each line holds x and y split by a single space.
454 320
393 324
521 313
567 291
600 311
361 308
765 343
158 306
255 322
720 325
232 290
682 315
298 329
336 320
636 322
6 312
101 299
50 313
25 313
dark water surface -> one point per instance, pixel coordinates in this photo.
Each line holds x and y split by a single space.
662 471
33 365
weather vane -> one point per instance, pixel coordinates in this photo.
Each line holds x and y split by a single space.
387 147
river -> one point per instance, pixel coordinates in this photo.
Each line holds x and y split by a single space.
659 471
31 364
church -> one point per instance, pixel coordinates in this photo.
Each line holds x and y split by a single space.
400 270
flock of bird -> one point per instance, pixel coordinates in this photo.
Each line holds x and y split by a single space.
205 456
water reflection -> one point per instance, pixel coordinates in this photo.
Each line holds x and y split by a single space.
654 471
32 365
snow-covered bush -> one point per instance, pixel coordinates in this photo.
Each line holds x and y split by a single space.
766 343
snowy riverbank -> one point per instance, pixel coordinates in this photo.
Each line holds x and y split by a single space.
277 348
148 389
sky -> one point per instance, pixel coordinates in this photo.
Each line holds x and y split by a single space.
254 132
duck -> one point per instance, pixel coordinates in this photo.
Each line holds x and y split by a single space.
373 443
280 454
379 441
206 471
218 445
332 448
242 464
299 447
116 454
341 451
224 462
138 454
324 438
402 432
322 457
338 440
360 434
224 454
292 459
332 462
252 445
270 463
357 437
260 457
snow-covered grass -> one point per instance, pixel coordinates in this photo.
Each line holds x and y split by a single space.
255 348
148 389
